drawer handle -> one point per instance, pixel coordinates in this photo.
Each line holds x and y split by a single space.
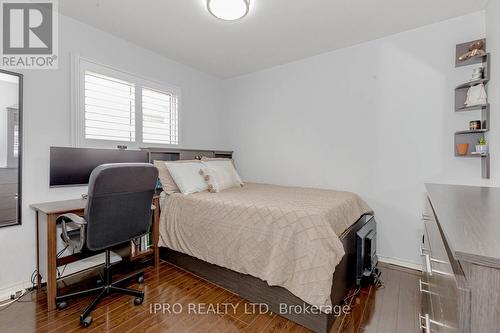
423 250
426 217
428 321
427 253
422 290
428 265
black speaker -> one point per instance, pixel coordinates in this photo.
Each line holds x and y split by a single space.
366 252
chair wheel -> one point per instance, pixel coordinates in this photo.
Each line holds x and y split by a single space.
62 305
140 279
138 300
86 321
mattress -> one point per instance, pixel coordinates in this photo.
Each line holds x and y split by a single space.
286 236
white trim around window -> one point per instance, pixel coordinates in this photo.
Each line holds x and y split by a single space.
107 108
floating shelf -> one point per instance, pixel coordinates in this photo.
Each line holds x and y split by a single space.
473 61
463 48
472 108
474 155
141 254
483 130
472 83
471 137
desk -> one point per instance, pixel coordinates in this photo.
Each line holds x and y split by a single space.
46 239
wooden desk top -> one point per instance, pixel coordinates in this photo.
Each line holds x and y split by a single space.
64 206
470 219
60 207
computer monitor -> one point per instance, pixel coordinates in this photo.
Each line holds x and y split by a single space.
72 166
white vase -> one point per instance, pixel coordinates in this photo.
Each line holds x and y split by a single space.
482 149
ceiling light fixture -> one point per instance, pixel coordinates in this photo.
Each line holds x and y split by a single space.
228 10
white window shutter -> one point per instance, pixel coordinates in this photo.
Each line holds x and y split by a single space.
109 108
159 117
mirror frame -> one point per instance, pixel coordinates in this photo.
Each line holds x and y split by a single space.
20 150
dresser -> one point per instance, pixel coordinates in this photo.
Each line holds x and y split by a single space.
460 250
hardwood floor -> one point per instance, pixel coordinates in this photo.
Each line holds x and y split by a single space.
392 308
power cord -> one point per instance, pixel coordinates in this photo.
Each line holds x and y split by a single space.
352 295
60 273
7 304
33 280
377 282
33 277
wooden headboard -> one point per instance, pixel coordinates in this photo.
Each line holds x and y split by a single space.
172 154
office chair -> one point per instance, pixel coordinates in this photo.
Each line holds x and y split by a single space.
118 210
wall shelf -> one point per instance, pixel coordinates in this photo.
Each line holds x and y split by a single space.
482 155
474 155
472 83
472 137
463 48
472 108
473 61
483 130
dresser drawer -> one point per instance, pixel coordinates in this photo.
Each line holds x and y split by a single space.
438 282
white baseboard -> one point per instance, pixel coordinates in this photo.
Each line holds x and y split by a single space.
400 262
12 289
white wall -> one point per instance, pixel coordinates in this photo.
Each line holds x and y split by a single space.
376 119
47 123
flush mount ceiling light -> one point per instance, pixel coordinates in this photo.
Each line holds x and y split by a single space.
228 10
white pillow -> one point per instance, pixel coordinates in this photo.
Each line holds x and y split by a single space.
187 176
221 175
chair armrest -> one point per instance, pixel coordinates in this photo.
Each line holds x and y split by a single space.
70 217
80 223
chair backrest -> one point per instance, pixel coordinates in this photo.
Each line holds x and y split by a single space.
119 203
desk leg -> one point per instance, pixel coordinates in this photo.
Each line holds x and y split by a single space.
156 233
38 276
51 261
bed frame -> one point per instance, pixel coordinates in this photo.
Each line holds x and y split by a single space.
254 289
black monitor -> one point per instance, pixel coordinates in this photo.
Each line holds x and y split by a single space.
72 166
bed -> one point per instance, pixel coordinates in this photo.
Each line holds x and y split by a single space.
269 244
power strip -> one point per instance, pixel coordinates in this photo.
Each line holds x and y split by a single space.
17 294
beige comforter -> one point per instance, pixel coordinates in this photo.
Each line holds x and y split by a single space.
286 236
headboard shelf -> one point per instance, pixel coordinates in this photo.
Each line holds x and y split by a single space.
173 154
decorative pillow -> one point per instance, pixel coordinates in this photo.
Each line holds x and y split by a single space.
187 176
220 174
167 183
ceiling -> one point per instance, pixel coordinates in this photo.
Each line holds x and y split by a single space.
274 32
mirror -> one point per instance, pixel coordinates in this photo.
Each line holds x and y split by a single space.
11 86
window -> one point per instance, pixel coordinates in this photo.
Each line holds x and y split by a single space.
15 149
116 108
159 117
109 108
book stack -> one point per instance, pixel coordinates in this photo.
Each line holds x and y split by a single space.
141 244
